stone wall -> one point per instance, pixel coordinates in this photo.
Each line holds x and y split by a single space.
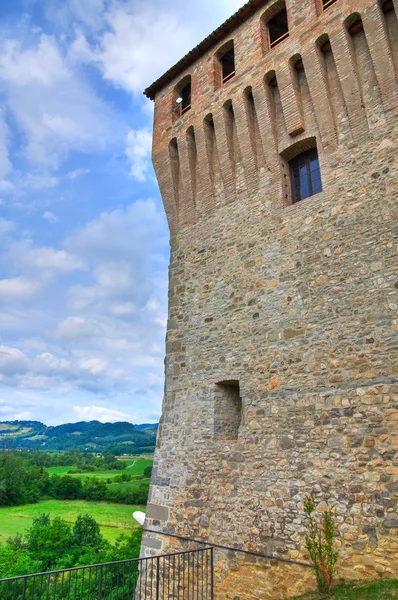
296 304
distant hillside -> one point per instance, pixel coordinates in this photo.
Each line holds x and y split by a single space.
91 435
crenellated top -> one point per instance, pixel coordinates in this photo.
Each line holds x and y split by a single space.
292 78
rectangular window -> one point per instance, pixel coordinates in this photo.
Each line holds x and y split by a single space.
228 65
186 99
278 28
327 3
305 175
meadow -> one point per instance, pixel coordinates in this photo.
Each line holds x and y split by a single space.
114 519
135 468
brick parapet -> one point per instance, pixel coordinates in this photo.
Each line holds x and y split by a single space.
253 63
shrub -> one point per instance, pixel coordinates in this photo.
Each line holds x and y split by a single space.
319 542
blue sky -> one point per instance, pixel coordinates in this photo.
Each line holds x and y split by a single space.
83 235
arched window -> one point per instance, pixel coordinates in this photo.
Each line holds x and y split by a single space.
182 97
305 175
278 28
225 63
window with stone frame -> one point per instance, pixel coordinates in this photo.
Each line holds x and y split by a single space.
305 174
227 411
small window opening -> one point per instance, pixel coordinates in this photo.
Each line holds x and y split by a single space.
278 28
227 410
305 175
327 3
387 6
298 65
182 97
186 98
228 65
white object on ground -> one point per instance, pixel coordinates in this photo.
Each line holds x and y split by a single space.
139 517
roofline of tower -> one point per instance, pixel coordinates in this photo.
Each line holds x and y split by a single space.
229 25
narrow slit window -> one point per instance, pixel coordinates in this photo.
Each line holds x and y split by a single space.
228 65
278 28
305 175
327 3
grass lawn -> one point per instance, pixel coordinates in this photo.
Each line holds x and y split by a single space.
113 518
129 486
135 467
382 589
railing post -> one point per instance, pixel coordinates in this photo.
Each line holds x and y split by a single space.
157 577
212 574
100 585
25 583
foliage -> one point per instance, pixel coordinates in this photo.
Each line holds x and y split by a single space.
113 519
381 589
52 544
148 472
24 479
319 542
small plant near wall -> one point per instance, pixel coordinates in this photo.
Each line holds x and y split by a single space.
319 542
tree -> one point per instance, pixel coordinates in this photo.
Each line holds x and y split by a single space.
86 532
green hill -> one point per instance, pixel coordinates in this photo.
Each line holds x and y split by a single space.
93 435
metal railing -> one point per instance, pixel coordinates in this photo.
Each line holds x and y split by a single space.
180 576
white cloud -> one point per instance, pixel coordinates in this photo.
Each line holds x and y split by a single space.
24 255
6 226
5 163
52 103
50 217
18 289
139 41
12 361
78 328
138 151
102 414
77 173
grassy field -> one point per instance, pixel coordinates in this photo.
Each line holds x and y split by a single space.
113 518
135 468
382 589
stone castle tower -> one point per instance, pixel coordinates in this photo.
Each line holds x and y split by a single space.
275 148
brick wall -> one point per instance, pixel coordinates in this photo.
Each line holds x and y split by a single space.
297 303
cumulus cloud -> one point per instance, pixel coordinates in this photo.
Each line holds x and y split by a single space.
18 289
52 104
139 41
25 255
102 414
138 151
50 217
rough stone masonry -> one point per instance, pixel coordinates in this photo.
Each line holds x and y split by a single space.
281 365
